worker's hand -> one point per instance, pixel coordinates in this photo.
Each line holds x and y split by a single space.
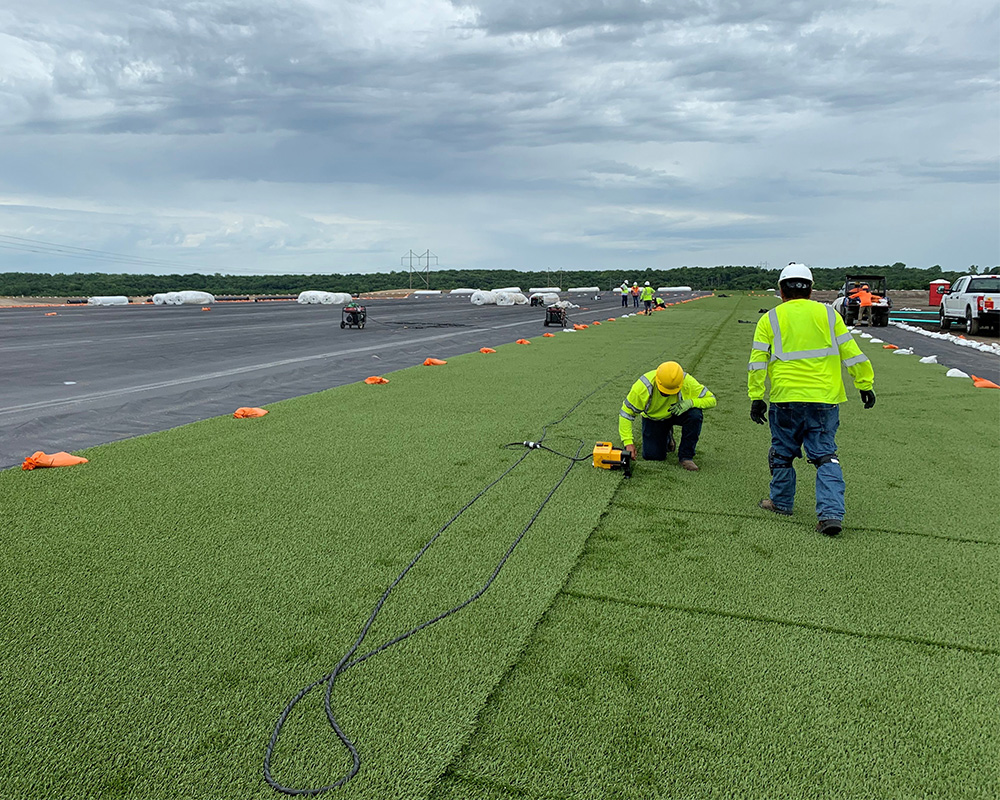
758 411
682 406
868 397
631 449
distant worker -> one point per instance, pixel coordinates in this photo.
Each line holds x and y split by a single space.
658 302
647 298
635 295
624 291
864 296
801 345
664 397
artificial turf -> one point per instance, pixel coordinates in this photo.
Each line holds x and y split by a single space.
649 638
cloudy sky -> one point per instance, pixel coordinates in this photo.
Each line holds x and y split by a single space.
338 135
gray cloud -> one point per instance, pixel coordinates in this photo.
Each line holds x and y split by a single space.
768 109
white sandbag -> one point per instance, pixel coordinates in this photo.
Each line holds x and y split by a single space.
675 289
462 291
866 336
324 298
877 341
544 289
108 300
929 360
480 298
188 298
569 330
510 289
902 352
548 298
585 289
565 304
956 373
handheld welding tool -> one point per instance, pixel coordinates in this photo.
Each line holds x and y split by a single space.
606 456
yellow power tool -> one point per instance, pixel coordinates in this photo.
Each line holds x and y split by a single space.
607 456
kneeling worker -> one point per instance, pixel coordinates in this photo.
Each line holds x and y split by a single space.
665 397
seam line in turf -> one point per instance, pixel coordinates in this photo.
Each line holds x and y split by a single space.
709 612
849 528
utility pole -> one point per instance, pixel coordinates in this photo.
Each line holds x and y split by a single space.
423 259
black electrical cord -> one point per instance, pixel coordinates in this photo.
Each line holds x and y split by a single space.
348 659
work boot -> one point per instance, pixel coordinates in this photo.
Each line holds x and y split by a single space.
829 527
689 465
671 444
768 505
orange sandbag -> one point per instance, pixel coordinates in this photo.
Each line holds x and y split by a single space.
522 341
206 308
580 327
60 459
486 350
611 319
890 347
246 413
51 313
982 383
376 379
549 335
434 362
596 322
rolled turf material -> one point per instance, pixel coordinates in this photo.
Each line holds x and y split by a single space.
651 637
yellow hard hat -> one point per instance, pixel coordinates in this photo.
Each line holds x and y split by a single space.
669 377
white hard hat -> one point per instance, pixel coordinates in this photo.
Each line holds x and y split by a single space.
647 283
796 272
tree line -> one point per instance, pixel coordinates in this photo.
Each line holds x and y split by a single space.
87 284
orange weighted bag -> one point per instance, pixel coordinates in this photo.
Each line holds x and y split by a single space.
60 459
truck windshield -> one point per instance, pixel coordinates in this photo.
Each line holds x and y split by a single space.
991 284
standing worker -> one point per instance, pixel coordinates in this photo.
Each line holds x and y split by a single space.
635 295
624 290
801 345
647 298
864 297
664 397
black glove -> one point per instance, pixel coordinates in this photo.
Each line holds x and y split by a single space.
868 397
758 411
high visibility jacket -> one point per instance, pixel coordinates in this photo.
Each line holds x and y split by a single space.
800 345
647 292
645 400
635 291
863 295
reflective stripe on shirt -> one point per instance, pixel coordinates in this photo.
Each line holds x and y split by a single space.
778 352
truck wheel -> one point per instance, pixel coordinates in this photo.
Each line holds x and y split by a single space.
971 324
341 324
945 322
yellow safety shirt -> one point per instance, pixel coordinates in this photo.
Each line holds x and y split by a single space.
647 293
800 345
645 400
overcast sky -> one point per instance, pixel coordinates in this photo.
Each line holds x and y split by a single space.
336 136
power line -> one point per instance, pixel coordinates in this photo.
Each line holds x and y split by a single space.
43 247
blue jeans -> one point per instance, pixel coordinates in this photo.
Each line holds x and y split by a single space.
813 426
624 301
657 432
635 301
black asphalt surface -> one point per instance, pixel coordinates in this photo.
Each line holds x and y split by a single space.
91 375
974 362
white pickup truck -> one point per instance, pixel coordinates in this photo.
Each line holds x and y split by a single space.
973 300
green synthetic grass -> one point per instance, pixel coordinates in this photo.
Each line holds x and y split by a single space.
162 603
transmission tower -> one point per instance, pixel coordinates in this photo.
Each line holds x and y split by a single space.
423 266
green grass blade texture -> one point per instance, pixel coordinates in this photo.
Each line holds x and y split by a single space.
659 637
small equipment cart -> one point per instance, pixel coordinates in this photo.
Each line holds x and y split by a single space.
354 315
